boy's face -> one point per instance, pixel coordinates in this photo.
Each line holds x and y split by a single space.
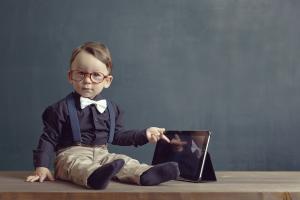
86 63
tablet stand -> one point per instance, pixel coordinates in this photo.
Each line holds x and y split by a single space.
208 173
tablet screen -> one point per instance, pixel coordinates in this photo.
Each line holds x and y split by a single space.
187 148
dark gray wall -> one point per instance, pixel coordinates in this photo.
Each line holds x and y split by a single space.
230 66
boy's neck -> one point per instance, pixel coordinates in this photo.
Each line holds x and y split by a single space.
96 98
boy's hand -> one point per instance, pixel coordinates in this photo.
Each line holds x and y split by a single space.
41 174
154 134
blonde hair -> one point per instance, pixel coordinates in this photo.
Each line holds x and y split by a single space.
97 49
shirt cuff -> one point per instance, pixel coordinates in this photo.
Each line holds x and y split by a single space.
41 158
141 138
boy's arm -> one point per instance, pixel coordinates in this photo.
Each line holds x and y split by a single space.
49 139
135 137
124 137
47 142
52 128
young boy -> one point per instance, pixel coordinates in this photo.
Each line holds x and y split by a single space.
84 158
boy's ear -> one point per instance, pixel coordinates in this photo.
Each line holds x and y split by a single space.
69 77
108 81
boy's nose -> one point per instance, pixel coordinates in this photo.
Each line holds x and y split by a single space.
87 79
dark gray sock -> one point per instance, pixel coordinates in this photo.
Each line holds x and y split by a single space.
100 178
160 173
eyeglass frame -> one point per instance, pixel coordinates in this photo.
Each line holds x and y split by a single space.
89 74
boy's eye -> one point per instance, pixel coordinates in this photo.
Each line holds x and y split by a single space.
97 75
81 73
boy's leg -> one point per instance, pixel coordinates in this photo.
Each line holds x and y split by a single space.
72 164
135 172
77 163
132 169
160 173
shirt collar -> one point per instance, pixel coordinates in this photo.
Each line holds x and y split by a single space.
96 98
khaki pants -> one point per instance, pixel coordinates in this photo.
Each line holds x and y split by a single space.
77 163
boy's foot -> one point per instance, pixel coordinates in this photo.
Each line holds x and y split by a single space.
160 173
100 178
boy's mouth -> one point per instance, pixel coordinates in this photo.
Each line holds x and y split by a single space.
87 89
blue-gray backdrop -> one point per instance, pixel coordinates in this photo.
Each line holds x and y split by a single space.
229 66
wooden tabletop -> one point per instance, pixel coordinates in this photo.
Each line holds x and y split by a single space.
230 185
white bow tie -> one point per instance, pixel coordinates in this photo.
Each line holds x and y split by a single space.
100 105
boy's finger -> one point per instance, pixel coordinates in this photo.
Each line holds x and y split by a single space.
42 178
157 135
162 130
29 178
51 178
165 138
34 178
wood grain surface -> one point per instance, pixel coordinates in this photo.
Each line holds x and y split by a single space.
230 185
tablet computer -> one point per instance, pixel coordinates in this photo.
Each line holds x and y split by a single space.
189 150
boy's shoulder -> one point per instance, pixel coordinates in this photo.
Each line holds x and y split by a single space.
60 103
59 107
